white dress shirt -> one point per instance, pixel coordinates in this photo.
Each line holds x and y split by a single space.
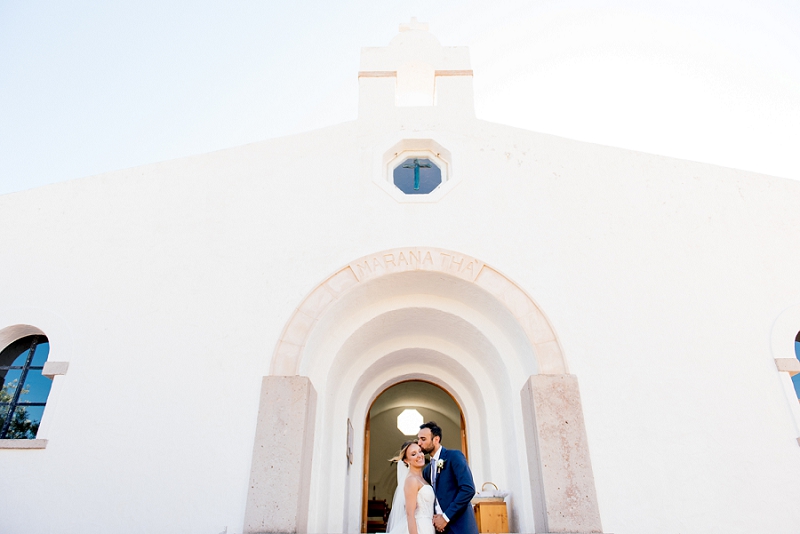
434 474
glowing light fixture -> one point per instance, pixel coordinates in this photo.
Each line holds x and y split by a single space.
409 422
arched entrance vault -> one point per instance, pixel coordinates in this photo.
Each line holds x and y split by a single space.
405 400
419 314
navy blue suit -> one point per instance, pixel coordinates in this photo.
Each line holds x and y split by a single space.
454 491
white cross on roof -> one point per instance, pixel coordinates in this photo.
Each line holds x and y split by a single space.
414 25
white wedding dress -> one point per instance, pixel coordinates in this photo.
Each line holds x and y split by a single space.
423 514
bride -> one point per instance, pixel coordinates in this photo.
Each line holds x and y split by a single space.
412 506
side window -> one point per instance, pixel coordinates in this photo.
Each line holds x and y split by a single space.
23 388
796 378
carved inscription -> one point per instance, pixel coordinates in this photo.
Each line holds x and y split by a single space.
416 259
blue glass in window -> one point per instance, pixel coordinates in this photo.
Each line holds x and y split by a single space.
36 388
34 414
417 176
25 422
20 360
40 356
23 388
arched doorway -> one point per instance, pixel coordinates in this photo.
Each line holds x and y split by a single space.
383 436
419 314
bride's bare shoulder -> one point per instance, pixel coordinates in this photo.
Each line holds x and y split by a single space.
414 482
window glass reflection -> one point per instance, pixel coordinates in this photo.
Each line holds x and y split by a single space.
36 388
25 422
23 388
40 356
10 384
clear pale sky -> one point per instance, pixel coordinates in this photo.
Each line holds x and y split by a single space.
89 87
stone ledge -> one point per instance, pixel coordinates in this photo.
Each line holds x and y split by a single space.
467 72
377 74
23 443
52 369
788 365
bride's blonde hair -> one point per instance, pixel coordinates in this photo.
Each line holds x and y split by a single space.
401 455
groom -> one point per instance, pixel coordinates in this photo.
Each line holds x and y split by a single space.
452 483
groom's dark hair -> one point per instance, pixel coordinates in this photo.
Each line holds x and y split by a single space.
434 428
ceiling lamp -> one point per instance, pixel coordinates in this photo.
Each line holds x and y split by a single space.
409 422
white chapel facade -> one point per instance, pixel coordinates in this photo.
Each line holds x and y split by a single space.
223 343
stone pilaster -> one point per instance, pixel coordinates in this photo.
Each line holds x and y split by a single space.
280 474
562 483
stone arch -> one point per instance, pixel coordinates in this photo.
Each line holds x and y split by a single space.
419 314
12 333
28 321
288 353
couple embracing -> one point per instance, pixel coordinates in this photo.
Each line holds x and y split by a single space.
432 498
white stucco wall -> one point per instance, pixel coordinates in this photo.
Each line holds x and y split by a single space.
174 281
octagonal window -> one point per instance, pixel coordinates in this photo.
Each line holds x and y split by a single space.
417 176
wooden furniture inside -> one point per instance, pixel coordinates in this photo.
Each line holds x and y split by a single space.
491 516
377 515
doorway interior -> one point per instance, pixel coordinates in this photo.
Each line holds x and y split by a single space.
405 404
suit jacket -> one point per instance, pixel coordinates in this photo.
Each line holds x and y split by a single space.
454 490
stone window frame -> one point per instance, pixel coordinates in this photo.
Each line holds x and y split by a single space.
51 369
395 151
